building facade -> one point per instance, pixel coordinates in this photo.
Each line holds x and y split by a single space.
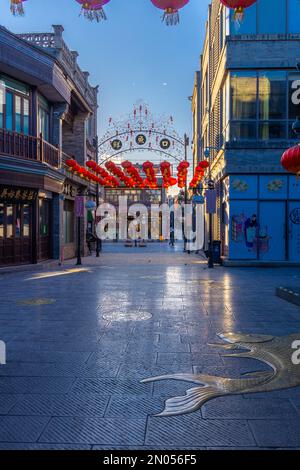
48 113
249 99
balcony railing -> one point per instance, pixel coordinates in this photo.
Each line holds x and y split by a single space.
29 147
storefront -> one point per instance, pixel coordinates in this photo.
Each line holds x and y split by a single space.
261 218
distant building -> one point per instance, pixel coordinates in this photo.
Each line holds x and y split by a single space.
249 98
48 113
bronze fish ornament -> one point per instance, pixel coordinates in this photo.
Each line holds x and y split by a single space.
274 351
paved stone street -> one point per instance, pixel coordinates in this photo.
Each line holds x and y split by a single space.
80 341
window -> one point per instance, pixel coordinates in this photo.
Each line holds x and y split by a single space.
9 221
294 95
26 220
68 221
2 95
44 217
9 111
243 95
14 105
272 16
243 130
272 95
272 130
43 118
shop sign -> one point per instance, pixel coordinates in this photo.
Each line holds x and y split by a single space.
211 201
17 194
69 190
79 206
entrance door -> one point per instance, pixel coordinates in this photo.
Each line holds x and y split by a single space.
271 237
294 231
15 233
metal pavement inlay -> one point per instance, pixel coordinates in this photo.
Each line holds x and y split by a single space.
274 351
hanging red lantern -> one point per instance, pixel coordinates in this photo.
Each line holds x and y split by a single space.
93 9
290 160
238 6
170 7
16 7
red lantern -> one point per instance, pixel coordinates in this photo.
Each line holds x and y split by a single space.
238 6
290 160
170 7
93 9
16 7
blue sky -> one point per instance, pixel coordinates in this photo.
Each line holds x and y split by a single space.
131 56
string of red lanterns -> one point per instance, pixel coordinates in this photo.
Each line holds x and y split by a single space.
150 181
115 170
182 172
107 178
199 173
165 168
133 173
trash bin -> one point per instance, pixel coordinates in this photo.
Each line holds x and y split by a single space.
217 251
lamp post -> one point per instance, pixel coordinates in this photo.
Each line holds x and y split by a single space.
96 145
210 215
186 144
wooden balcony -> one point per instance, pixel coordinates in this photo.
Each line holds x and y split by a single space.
29 147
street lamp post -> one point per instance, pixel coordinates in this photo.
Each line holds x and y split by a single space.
96 144
186 144
210 215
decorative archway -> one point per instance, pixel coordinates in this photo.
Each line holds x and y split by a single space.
141 131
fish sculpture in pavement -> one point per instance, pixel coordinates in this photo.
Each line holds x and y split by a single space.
275 351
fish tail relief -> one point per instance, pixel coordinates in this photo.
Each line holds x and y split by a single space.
191 401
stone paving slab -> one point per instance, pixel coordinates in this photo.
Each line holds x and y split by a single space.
21 428
110 431
192 430
277 433
61 405
13 385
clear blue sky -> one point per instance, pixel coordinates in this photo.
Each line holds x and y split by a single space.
131 56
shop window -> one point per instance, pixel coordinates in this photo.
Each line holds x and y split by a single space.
9 221
18 221
44 217
68 221
26 220
1 220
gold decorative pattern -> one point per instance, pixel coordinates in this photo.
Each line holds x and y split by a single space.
276 352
